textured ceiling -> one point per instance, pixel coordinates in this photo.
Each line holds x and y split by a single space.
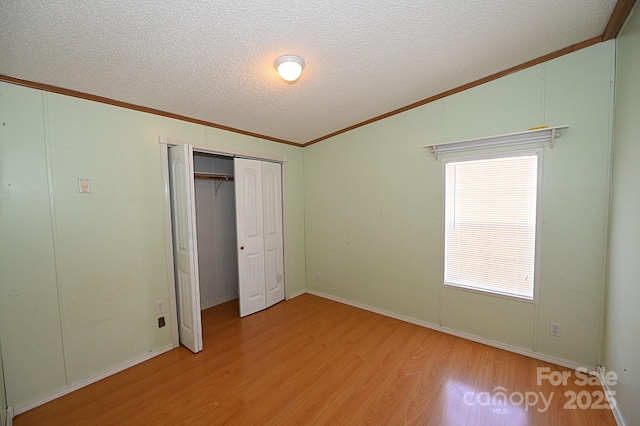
213 61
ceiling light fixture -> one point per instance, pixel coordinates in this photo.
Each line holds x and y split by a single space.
289 67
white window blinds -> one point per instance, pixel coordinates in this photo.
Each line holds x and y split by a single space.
490 224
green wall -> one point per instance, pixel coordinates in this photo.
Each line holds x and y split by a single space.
373 208
622 346
80 273
3 396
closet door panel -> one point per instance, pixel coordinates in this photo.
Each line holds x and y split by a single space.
250 181
271 270
273 242
254 270
185 250
250 234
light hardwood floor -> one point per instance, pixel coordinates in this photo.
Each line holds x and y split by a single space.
313 361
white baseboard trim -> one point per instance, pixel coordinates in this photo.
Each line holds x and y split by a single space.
515 349
297 293
218 302
600 370
85 382
10 416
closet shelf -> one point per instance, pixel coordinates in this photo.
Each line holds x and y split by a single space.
217 176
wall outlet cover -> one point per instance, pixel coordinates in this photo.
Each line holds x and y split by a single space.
84 186
160 308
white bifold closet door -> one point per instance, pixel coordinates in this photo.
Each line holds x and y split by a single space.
185 250
258 186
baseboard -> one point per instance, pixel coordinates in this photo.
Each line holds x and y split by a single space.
10 416
474 338
218 302
297 293
608 391
85 382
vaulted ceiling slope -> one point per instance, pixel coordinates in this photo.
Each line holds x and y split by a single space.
213 61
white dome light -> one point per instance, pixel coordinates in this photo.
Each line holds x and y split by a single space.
289 67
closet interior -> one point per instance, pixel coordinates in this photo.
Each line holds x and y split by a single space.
216 228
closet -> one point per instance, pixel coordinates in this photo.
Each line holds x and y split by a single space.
215 229
227 234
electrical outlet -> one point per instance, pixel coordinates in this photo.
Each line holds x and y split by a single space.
554 329
84 186
317 276
160 309
161 322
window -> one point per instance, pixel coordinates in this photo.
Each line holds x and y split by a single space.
490 223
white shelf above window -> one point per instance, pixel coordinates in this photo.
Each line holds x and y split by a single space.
541 135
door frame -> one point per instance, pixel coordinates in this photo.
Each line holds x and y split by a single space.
164 143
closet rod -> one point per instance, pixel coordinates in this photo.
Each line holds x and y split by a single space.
199 175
